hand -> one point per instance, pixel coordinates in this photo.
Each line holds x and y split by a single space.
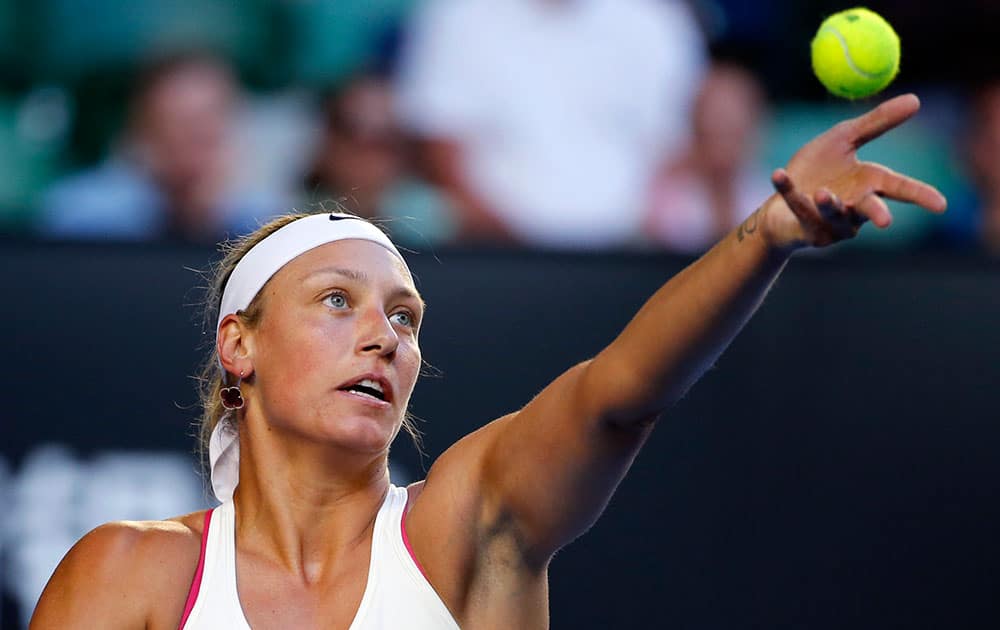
826 194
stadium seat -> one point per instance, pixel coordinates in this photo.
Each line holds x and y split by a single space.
32 136
8 34
330 40
74 38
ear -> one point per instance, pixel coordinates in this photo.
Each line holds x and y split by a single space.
234 346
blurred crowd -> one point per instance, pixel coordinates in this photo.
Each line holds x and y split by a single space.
561 124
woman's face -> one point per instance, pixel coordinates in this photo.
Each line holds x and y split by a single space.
335 354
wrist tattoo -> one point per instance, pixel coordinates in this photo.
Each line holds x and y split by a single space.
749 226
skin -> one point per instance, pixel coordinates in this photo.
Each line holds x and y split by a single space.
497 505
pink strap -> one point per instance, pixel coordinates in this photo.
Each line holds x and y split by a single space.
196 583
406 539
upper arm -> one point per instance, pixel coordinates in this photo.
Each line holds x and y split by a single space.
541 475
107 579
554 464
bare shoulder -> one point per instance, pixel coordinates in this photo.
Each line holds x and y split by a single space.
442 523
461 537
125 574
452 490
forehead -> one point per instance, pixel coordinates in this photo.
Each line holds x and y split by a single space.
370 259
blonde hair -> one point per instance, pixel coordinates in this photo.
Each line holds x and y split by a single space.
212 378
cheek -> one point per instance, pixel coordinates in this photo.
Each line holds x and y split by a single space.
292 351
409 362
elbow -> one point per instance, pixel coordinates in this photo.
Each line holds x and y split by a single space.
619 396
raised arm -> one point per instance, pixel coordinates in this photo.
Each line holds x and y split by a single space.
548 470
825 196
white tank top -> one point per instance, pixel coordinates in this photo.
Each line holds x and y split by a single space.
397 594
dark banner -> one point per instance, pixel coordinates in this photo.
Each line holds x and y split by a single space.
837 468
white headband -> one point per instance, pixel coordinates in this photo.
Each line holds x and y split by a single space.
250 275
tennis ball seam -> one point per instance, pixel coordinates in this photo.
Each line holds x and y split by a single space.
850 60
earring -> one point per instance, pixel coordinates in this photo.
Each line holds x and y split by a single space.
232 397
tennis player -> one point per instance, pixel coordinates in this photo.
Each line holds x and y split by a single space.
316 356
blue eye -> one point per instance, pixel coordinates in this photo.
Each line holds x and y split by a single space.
402 318
337 300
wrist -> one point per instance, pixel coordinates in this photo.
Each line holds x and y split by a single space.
780 229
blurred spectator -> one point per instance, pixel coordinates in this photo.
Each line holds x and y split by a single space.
972 221
546 119
361 163
984 163
171 177
717 182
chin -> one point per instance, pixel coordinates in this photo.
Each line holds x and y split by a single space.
363 434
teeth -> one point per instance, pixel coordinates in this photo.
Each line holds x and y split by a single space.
372 384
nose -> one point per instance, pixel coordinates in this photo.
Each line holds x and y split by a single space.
377 335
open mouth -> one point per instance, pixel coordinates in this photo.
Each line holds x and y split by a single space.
367 387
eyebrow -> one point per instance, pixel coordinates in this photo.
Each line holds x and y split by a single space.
360 276
353 274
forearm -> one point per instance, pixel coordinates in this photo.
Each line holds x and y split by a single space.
684 327
577 438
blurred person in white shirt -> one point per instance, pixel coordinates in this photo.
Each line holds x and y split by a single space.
546 119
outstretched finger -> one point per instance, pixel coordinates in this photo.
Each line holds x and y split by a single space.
841 222
874 209
800 204
903 188
886 116
829 205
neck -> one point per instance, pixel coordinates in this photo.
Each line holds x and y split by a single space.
306 505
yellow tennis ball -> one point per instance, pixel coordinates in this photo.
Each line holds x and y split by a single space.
855 53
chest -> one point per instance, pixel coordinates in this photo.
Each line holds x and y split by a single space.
271 597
